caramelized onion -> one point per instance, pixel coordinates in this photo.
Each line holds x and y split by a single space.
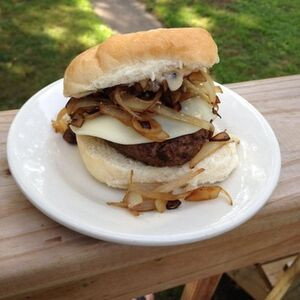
61 114
134 212
218 89
154 131
221 137
139 105
136 104
77 120
146 205
197 90
74 104
206 150
146 126
84 113
158 195
118 204
86 110
60 125
209 85
210 91
170 113
133 199
119 100
204 88
215 110
180 96
155 100
92 116
139 198
150 129
160 205
184 96
157 137
115 112
208 193
131 177
197 76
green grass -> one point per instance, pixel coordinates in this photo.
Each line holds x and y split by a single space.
256 39
38 40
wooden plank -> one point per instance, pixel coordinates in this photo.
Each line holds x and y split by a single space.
137 278
202 289
252 281
285 282
264 82
274 270
41 259
258 280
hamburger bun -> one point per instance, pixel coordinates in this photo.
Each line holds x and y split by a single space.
112 168
127 58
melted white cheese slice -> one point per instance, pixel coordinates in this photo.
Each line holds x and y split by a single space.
111 129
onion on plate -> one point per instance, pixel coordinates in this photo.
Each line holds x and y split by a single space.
206 150
141 198
208 193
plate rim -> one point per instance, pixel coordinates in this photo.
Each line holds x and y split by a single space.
140 240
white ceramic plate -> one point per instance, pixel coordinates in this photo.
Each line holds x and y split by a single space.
51 174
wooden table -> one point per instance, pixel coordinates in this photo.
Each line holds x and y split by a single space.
39 259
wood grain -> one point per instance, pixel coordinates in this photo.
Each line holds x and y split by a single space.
285 281
275 270
252 280
258 280
43 260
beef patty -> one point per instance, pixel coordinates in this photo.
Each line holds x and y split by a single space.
173 152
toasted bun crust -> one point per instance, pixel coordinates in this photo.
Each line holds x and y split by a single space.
110 167
126 58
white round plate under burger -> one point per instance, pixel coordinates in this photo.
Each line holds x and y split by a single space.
51 174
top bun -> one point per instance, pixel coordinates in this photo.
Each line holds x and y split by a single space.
127 58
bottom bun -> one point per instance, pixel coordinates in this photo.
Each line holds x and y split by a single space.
113 168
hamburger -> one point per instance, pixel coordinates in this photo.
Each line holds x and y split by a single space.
142 107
